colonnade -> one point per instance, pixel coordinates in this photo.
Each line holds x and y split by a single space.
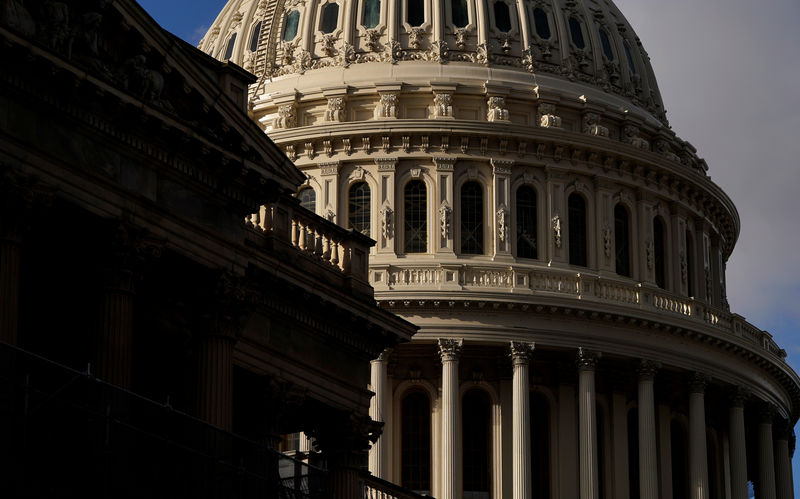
773 481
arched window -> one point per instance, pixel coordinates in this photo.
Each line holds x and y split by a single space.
476 439
658 253
606 44
472 218
502 16
576 31
629 57
526 222
541 23
230 46
680 460
622 240
689 264
372 13
459 13
540 447
633 453
416 217
577 230
415 12
358 207
415 442
254 37
292 22
308 198
330 17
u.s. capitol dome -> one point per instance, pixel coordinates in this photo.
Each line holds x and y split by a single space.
561 249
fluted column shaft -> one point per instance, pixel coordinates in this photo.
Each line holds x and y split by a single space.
521 421
648 458
10 250
765 487
738 448
378 411
587 425
215 380
698 457
784 486
115 341
450 350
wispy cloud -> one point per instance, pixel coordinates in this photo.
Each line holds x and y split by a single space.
196 35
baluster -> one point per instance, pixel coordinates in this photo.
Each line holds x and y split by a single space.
302 236
294 233
318 244
326 254
335 256
345 259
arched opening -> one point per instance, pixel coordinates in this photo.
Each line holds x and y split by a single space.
415 12
415 442
502 16
330 18
680 460
633 453
476 440
622 240
576 207
659 253
358 207
526 222
576 32
415 223
230 46
605 42
472 218
254 37
371 15
290 28
307 198
540 445
459 13
629 57
689 264
541 23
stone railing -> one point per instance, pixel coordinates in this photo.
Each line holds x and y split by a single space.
376 488
302 234
559 283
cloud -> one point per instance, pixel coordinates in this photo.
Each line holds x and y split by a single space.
196 35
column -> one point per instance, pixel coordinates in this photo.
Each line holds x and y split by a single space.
378 411
765 486
783 462
619 428
10 249
648 460
698 458
521 420
450 351
587 425
738 445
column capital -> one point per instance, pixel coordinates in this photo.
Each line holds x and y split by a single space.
521 351
698 382
227 307
767 413
738 395
383 356
647 369
23 203
782 430
130 247
587 359
450 348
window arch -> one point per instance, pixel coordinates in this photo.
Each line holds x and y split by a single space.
622 240
476 417
415 12
629 57
540 447
308 198
576 207
415 442
526 222
292 23
541 23
605 42
502 16
330 18
371 15
415 233
254 37
358 207
689 263
472 218
659 260
459 13
576 32
230 46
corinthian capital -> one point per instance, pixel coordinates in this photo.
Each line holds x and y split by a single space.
521 351
647 369
587 359
698 382
450 348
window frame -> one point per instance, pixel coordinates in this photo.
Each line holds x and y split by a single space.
425 218
517 222
285 25
629 242
586 231
314 198
255 36
460 221
348 211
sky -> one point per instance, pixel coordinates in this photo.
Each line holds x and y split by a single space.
728 71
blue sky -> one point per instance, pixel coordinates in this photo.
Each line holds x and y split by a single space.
727 70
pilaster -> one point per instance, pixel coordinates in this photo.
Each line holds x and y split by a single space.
450 352
445 204
501 192
386 203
